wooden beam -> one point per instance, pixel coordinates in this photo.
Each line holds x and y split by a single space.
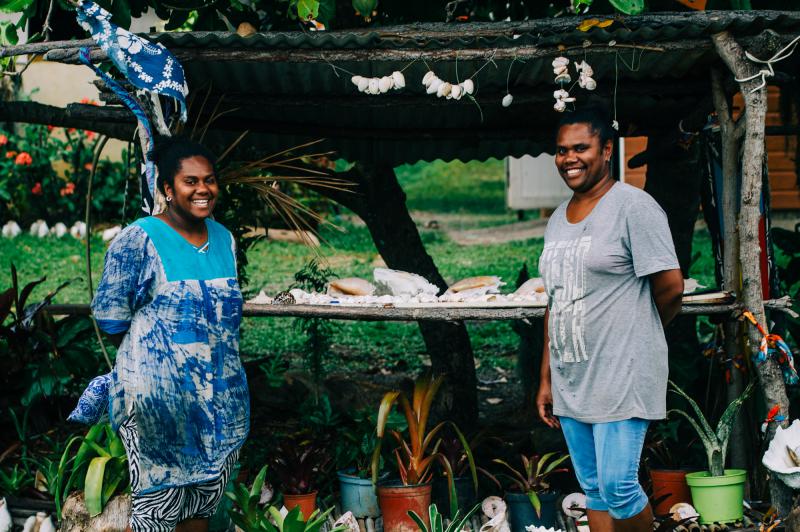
335 312
755 100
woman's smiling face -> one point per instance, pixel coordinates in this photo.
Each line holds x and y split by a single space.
194 188
580 158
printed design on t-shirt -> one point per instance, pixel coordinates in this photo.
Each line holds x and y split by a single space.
564 264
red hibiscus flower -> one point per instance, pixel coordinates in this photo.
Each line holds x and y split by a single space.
23 159
37 189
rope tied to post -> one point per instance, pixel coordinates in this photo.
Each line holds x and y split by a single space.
780 55
774 347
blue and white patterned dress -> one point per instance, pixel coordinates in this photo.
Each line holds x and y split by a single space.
178 366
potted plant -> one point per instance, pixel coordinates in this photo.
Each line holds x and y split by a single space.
251 516
529 497
415 456
354 450
300 464
667 478
457 524
459 456
717 494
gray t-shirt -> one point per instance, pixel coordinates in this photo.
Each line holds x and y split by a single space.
608 355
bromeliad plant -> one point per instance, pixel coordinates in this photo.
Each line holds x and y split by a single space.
714 441
534 476
301 464
99 468
251 515
417 454
457 524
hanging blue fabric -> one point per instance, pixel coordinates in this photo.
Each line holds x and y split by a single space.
148 187
146 65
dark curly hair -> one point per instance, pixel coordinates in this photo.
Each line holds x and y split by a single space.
170 151
598 118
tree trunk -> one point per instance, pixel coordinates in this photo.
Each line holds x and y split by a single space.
671 168
730 261
755 100
381 203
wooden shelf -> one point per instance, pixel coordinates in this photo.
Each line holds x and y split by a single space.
426 313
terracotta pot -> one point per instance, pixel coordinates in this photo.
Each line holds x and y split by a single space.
306 501
395 502
672 483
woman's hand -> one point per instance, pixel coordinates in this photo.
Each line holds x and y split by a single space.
544 404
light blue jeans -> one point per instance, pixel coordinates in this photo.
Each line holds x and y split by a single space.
606 460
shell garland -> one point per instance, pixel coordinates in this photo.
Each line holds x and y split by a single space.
562 76
444 89
382 85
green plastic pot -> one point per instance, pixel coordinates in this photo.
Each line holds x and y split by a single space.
718 499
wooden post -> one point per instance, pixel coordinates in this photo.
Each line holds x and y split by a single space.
731 136
769 373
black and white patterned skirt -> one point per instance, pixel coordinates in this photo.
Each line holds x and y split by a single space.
162 510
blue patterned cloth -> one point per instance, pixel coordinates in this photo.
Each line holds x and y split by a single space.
93 401
147 65
178 366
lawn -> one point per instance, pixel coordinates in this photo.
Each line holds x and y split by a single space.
472 191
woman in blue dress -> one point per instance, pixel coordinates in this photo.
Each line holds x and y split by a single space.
170 300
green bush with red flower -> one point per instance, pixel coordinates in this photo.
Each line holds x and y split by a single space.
44 174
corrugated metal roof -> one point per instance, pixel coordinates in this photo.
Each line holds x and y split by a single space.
292 96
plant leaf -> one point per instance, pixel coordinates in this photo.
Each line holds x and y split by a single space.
537 504
93 489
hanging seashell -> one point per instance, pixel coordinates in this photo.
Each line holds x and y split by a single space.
563 78
398 79
560 94
560 106
560 61
584 68
469 86
560 69
444 89
363 84
507 99
428 78
374 86
356 80
385 84
587 83
456 91
434 86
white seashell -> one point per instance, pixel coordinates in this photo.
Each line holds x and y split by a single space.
111 233
683 510
78 230
469 86
456 91
42 231
47 525
560 69
34 229
428 78
777 458
356 80
584 68
399 79
588 83
495 509
444 89
560 61
10 230
560 106
507 99
385 84
5 517
349 521
560 94
59 230
434 86
29 525
363 84
563 78
568 100
374 86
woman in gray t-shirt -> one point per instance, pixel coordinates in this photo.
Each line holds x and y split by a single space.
613 282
